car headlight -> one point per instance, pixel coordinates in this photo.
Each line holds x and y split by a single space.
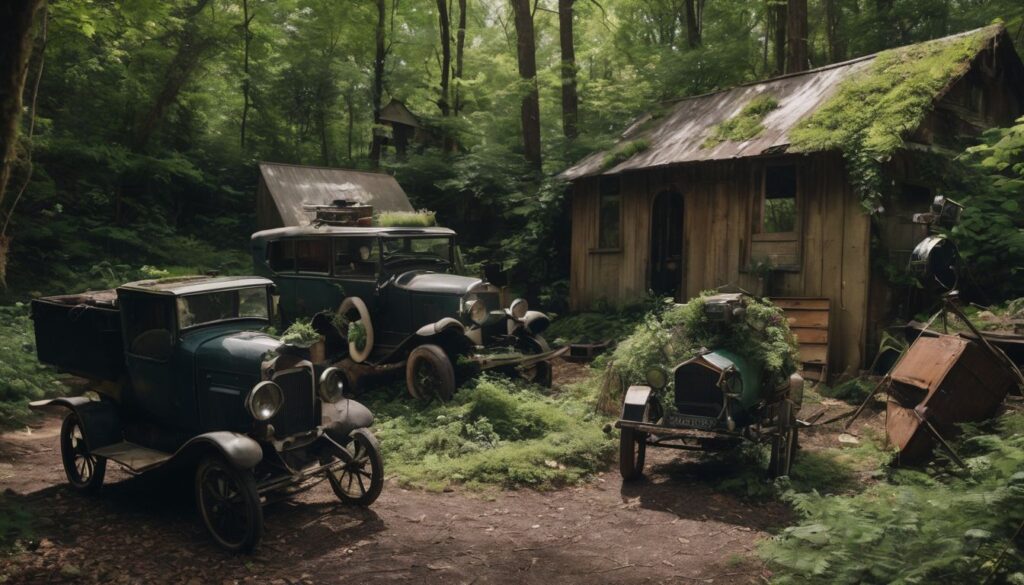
332 385
518 308
657 377
264 400
477 312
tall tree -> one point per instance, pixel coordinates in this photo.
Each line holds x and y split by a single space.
380 54
777 25
570 99
526 54
833 31
694 22
796 32
460 46
444 26
246 87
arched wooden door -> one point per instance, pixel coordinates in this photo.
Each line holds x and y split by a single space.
667 244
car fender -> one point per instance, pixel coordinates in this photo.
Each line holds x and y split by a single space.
345 416
240 450
99 419
446 325
634 403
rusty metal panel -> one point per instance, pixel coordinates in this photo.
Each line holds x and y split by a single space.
927 361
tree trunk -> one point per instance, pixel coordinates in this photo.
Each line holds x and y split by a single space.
796 33
246 40
460 45
527 57
570 99
16 19
693 22
833 32
351 124
378 82
444 24
777 9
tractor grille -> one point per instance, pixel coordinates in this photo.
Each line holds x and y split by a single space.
697 391
298 414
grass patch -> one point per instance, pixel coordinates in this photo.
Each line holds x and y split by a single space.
853 391
422 218
624 153
494 432
595 327
22 377
745 125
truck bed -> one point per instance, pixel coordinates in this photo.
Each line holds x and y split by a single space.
80 334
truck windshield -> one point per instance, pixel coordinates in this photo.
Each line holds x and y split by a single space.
435 249
225 305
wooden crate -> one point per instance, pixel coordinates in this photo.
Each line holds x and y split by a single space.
809 319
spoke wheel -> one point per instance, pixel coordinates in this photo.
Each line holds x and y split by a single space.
783 443
429 374
539 374
84 470
229 504
360 482
632 451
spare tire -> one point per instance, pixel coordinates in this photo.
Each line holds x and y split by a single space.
358 353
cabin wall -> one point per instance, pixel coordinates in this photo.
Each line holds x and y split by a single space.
720 202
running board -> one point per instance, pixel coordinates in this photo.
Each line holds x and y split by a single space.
135 457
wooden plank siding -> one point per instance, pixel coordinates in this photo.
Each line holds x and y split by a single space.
720 202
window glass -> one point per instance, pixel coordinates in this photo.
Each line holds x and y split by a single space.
779 211
312 256
355 256
248 303
424 248
150 326
282 256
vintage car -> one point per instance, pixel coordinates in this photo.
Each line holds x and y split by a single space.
400 287
713 401
184 376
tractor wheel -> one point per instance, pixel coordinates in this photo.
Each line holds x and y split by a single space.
784 442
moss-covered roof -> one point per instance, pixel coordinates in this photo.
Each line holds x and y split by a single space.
872 102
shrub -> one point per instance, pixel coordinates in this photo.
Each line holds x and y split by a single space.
22 377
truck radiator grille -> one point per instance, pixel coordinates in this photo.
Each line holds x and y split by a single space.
298 414
697 391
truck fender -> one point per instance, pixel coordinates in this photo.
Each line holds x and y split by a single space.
443 326
634 404
240 450
345 416
796 390
98 419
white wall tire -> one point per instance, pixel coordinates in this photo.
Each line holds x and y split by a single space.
358 355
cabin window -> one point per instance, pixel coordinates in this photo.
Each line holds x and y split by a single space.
150 326
778 213
282 256
355 256
313 256
609 214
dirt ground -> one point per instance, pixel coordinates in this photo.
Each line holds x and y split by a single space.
668 528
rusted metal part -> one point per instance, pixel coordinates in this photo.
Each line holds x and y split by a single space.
586 352
939 382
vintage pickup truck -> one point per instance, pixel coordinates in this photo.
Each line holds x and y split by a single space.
185 376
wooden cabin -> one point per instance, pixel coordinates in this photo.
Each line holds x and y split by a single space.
674 210
284 189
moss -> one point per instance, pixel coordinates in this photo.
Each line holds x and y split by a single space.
421 218
628 151
871 112
745 125
300 334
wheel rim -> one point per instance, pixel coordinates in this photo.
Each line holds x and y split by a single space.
83 463
354 479
223 505
425 379
638 452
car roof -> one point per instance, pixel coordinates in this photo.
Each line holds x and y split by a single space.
334 230
185 285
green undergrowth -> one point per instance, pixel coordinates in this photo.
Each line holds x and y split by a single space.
22 377
1003 318
745 125
494 432
871 112
935 525
853 391
15 524
595 327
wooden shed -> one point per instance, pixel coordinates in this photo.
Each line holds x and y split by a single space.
676 209
284 189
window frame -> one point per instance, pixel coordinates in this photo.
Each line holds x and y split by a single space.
759 180
354 276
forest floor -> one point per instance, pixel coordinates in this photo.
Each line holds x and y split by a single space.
672 526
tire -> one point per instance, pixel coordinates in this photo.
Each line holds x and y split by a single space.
429 374
539 373
632 452
355 303
360 484
84 471
784 443
229 504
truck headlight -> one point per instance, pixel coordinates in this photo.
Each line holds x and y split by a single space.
477 312
657 377
264 400
518 308
332 385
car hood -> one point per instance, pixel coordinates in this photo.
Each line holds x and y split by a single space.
436 282
240 352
